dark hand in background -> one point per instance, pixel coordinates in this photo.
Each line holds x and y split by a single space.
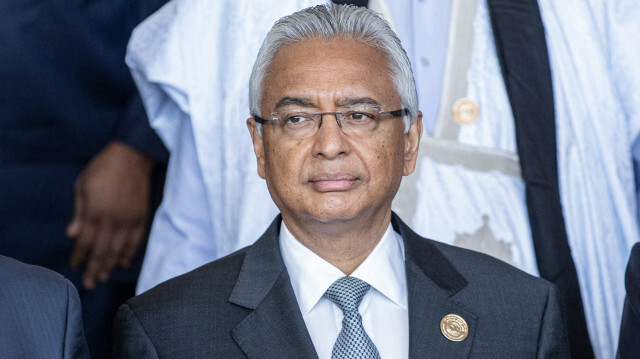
111 211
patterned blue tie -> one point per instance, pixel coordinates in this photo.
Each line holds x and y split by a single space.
353 341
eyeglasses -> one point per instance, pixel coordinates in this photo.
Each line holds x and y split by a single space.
358 120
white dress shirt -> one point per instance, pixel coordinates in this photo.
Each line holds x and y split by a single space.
384 308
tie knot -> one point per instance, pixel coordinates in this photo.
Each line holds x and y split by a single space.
347 292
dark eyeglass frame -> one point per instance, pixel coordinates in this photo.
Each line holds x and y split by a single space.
396 113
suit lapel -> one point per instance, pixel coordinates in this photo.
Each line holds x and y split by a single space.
275 328
432 282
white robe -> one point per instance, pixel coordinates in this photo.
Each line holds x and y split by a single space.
594 52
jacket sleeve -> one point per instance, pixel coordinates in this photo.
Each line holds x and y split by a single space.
132 126
133 129
130 340
75 344
553 341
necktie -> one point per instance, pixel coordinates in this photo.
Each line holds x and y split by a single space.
353 341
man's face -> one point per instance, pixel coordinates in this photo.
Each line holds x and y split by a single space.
332 176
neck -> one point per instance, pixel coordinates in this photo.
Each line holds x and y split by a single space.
346 243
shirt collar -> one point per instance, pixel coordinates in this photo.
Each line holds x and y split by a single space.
311 275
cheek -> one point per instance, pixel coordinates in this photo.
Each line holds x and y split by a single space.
387 154
281 164
275 164
387 161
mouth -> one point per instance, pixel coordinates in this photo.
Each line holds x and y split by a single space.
333 182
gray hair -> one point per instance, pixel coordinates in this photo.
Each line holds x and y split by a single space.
330 22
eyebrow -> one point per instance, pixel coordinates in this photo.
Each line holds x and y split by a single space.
305 102
356 101
294 101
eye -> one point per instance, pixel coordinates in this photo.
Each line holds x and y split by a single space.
297 119
360 116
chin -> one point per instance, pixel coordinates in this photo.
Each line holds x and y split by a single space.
337 213
333 217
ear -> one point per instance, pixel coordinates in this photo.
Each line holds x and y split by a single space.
258 145
411 144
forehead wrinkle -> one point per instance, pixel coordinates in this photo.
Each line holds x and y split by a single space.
341 102
294 101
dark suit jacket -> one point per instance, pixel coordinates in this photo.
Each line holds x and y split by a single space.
629 341
243 305
39 314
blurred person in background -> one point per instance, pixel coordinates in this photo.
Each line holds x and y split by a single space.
78 160
532 116
41 313
629 345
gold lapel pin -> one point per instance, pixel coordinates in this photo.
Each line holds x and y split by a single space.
454 328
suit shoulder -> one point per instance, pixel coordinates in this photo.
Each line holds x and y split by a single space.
455 266
480 269
479 266
215 278
194 305
19 278
42 309
487 292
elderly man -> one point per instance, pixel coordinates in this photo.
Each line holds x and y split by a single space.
335 126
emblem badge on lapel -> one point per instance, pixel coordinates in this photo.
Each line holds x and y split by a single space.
454 328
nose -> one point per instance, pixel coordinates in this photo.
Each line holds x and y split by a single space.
330 142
